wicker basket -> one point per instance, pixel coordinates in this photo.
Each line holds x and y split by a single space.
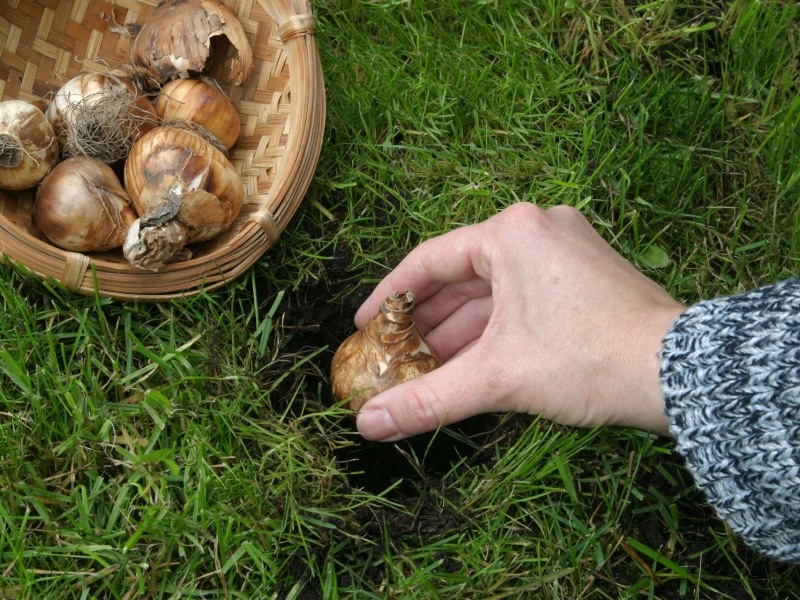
44 43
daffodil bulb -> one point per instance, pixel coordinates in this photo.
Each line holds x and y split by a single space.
200 102
81 206
183 189
388 351
176 41
100 116
28 147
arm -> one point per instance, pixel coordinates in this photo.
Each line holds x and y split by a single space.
731 381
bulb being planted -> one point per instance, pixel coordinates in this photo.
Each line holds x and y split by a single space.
387 352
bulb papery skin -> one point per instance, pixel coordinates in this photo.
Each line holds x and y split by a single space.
387 352
81 206
28 148
176 41
184 191
199 102
100 116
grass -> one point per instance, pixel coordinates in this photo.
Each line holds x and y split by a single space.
190 450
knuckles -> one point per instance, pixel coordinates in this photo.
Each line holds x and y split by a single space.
565 212
571 218
522 212
530 221
531 215
518 225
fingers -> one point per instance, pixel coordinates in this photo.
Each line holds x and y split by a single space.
430 313
462 388
460 255
454 257
462 327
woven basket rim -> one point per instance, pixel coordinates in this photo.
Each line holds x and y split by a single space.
78 272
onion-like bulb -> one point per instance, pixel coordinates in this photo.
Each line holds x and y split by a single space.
28 148
199 102
387 352
100 116
184 190
81 206
176 41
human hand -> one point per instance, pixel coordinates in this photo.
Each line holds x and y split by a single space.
532 311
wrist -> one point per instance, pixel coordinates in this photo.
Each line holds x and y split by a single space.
643 405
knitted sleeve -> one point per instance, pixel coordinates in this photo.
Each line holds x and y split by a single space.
730 374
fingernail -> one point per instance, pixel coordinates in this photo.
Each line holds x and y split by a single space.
376 424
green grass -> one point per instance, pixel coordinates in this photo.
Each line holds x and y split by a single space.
189 450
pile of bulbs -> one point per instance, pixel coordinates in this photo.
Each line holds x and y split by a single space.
180 186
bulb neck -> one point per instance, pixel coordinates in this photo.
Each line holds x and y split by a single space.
394 323
397 308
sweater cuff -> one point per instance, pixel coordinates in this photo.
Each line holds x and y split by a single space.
730 375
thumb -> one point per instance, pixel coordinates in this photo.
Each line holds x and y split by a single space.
455 391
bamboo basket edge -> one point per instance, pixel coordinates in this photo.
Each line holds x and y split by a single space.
90 275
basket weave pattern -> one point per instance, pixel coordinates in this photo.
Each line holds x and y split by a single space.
44 43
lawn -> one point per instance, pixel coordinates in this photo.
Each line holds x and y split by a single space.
192 449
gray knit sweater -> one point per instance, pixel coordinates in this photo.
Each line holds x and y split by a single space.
730 376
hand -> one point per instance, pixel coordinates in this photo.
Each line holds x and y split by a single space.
532 311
